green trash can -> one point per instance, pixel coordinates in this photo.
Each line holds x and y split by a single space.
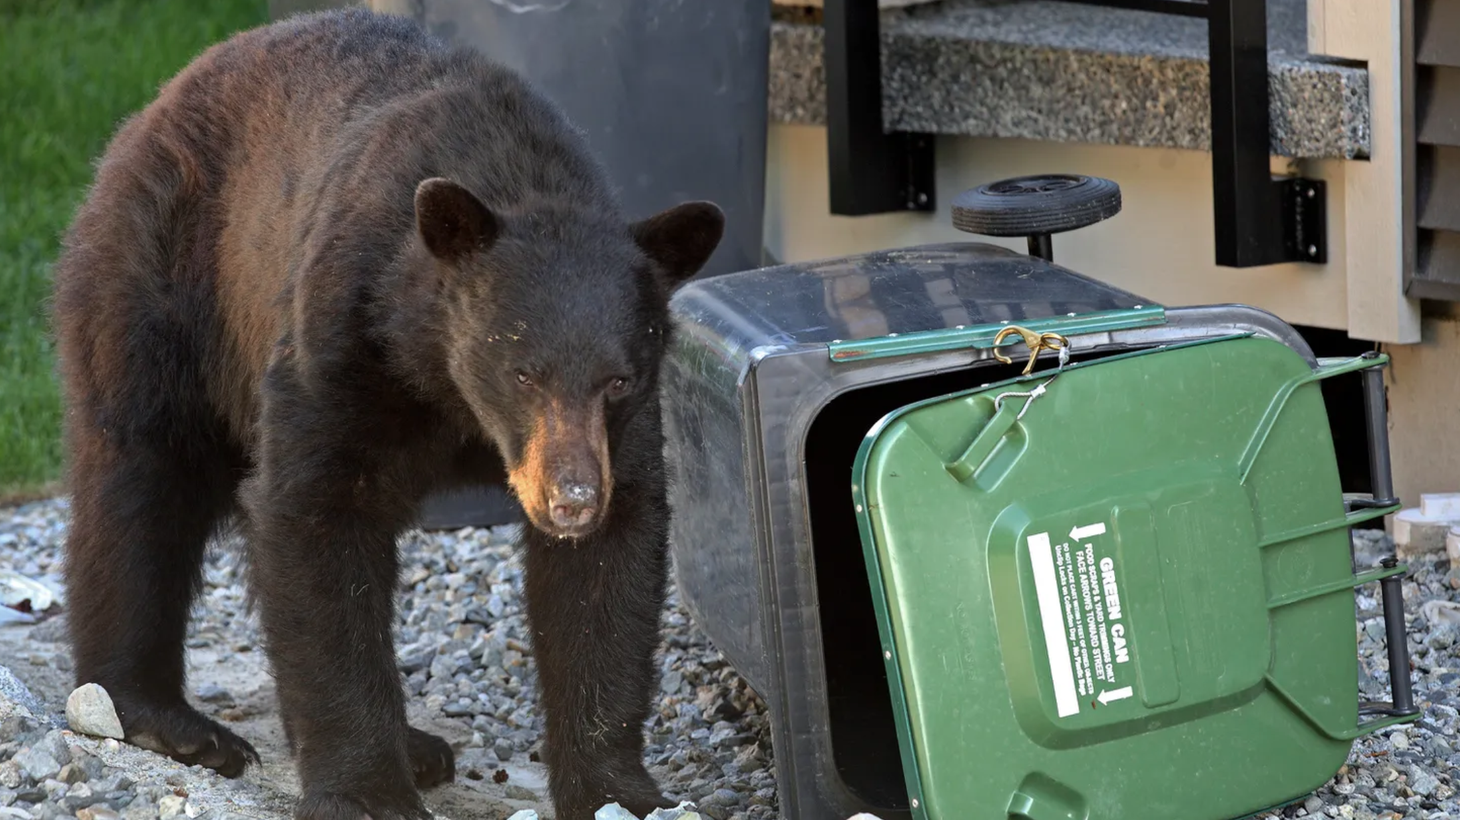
1118 589
993 539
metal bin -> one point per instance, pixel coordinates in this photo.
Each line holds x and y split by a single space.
910 546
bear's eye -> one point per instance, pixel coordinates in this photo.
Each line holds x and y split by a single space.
523 379
618 386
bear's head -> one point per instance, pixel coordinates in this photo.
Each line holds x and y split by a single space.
555 319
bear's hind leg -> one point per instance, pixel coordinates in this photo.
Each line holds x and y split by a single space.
141 514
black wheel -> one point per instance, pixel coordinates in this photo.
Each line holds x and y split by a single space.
1036 205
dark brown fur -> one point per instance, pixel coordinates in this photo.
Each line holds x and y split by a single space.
334 267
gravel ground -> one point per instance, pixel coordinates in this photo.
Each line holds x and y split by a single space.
462 642
464 649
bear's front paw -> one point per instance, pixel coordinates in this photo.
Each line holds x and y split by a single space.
185 735
637 791
318 805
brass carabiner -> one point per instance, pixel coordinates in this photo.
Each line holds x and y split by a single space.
1034 341
1031 341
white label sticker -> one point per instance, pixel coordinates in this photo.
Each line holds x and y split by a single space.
1082 620
1040 554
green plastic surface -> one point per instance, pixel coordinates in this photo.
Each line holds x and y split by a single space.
1133 602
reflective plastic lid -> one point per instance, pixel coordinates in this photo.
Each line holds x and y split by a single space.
946 295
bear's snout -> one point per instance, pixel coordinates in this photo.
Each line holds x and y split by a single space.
563 477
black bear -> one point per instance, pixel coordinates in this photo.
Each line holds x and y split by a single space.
335 266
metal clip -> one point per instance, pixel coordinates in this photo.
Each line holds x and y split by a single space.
1035 342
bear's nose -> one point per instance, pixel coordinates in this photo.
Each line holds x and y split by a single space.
574 504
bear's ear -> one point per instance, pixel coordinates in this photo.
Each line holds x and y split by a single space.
681 238
452 221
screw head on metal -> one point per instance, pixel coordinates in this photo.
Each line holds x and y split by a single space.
914 802
887 654
1312 250
922 199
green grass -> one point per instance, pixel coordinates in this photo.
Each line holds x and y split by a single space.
70 70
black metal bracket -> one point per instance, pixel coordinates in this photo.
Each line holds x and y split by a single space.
1259 219
870 171
1305 219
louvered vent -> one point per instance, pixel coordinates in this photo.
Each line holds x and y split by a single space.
1431 111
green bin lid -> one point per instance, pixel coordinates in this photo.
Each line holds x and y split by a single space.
1133 602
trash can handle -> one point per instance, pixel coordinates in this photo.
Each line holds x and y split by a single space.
1389 576
1376 415
1376 418
983 444
1041 797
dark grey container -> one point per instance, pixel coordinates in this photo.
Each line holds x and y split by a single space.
775 377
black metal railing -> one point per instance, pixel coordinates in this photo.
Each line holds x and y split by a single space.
872 171
1260 219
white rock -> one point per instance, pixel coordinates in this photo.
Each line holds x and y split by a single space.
686 810
614 811
89 711
1440 611
525 814
15 588
1452 545
170 806
1440 505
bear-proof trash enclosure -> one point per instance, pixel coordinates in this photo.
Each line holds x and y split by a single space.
1117 586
